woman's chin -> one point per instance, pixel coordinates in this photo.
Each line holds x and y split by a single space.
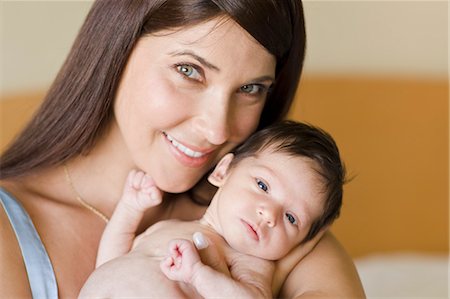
176 185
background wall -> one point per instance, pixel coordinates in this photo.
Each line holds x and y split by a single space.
35 37
376 78
407 38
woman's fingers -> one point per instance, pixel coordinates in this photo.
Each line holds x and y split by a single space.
209 254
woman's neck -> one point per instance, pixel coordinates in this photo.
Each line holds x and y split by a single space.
100 175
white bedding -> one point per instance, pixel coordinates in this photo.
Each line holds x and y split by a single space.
404 275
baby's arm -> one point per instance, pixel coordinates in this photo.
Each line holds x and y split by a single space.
183 264
139 194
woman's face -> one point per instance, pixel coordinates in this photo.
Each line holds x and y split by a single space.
189 96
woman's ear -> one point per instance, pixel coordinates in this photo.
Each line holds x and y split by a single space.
221 170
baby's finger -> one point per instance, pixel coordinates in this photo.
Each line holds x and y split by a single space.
130 178
147 181
166 266
174 248
167 262
155 195
137 179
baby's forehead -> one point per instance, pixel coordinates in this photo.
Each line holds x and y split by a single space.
298 174
272 152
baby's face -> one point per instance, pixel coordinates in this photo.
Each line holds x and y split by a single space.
266 204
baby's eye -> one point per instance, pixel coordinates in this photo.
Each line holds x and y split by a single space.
262 185
291 218
189 71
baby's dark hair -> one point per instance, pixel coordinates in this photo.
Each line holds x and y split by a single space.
300 139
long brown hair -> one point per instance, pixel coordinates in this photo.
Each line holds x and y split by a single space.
79 105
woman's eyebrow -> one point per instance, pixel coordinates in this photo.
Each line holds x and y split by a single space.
263 79
196 57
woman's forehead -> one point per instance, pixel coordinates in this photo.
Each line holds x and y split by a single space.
208 32
219 41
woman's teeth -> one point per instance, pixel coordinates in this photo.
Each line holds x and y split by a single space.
184 149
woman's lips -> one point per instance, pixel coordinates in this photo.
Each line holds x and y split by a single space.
186 155
250 230
184 149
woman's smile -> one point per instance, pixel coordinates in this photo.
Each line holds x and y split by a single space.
187 154
184 149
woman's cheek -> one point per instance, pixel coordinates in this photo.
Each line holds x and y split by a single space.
246 122
166 102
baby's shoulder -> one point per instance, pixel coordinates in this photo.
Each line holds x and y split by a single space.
238 260
162 232
173 227
163 224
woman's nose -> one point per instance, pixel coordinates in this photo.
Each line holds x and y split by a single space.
215 120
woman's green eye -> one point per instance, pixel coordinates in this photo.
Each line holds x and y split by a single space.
188 71
291 218
251 88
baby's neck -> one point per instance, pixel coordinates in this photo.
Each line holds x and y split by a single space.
208 221
210 218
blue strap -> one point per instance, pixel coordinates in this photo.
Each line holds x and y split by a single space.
39 268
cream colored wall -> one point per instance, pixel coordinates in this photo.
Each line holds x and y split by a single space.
35 39
344 37
405 38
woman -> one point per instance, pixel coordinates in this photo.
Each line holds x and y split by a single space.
167 87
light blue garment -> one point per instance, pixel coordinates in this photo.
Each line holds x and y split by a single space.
39 268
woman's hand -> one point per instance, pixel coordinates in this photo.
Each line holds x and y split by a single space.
209 254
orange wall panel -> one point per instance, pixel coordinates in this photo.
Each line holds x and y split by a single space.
393 136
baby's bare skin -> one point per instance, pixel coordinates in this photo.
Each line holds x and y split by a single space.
143 276
133 268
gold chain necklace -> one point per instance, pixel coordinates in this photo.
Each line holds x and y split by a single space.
80 199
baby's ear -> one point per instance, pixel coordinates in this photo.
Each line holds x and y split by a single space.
220 171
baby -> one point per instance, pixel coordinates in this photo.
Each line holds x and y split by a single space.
277 191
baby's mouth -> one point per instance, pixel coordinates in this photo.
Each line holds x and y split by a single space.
251 229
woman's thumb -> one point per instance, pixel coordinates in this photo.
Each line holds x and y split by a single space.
209 253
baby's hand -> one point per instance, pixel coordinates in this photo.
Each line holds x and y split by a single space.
182 261
140 192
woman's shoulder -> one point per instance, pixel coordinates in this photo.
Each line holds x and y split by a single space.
23 189
326 271
13 276
23 255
